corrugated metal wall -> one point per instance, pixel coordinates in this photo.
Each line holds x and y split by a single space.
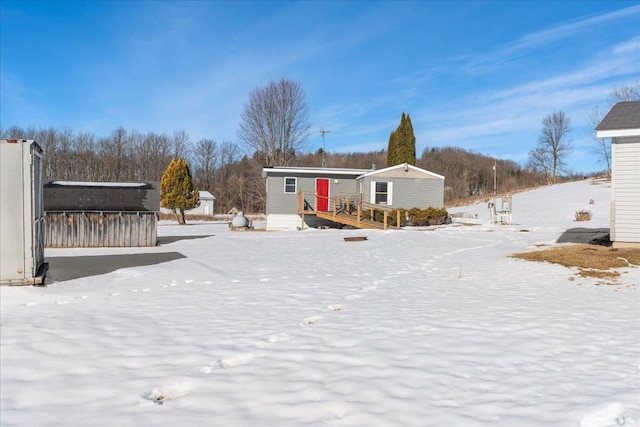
99 229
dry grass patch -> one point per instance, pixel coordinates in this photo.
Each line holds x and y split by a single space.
583 215
591 260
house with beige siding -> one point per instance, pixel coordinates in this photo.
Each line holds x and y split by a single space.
299 197
622 125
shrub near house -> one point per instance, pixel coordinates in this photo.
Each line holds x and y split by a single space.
412 217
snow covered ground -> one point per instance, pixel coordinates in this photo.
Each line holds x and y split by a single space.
414 327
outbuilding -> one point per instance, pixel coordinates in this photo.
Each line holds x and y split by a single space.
622 125
100 214
205 208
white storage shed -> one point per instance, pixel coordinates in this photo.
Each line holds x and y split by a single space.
207 201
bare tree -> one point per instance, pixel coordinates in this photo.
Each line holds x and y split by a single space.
620 93
66 159
118 149
114 152
87 161
274 123
540 161
14 132
624 92
206 158
602 146
227 168
48 140
180 144
161 148
552 146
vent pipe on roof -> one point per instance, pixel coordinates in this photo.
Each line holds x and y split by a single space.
373 166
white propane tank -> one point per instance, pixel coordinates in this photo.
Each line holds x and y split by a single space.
240 221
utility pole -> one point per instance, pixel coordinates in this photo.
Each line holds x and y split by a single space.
495 178
323 132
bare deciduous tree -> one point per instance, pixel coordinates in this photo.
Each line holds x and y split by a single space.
552 146
619 93
624 92
206 156
602 146
87 161
180 144
274 123
540 161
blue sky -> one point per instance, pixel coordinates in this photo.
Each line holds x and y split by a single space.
477 75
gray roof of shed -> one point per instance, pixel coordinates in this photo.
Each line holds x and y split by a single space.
623 115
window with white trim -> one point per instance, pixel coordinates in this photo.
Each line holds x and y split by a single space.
290 185
381 193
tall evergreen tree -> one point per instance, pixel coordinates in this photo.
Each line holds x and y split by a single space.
402 143
176 189
410 148
392 149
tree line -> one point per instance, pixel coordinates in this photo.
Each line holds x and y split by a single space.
273 130
234 178
130 156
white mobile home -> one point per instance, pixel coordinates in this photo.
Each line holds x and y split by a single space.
622 125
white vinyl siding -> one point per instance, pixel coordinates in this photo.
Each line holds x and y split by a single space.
290 185
625 194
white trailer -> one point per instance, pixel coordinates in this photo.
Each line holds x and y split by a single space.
21 213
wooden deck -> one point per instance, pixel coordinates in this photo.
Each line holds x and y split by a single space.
347 210
351 220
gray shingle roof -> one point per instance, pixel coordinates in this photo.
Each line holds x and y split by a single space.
623 115
114 196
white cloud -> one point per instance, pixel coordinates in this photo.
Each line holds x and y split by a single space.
537 39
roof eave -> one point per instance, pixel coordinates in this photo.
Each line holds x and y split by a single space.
618 133
402 165
311 171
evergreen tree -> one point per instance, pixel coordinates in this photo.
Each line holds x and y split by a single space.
176 189
392 149
410 148
402 143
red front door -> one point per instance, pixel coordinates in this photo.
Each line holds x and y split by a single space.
322 194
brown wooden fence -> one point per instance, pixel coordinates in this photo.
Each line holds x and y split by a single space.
99 229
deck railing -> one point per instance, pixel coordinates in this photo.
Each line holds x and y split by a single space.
351 204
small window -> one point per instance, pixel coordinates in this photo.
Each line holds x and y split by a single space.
290 185
381 193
